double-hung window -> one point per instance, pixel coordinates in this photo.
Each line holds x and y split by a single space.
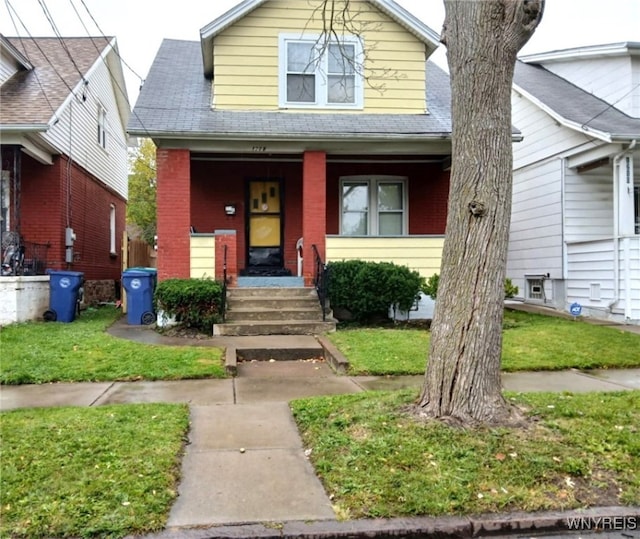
317 74
373 206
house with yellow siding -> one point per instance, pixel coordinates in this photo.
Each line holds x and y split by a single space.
292 134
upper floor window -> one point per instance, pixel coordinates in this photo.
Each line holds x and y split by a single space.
373 206
102 127
318 74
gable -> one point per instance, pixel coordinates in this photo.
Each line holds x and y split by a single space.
246 56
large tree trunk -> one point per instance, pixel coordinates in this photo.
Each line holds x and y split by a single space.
462 382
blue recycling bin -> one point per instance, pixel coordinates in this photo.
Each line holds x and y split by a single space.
140 286
64 287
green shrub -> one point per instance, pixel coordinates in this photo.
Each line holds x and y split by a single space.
368 289
195 303
510 290
431 289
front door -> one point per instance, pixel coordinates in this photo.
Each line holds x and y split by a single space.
264 227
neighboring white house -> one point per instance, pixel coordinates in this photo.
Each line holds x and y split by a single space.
575 226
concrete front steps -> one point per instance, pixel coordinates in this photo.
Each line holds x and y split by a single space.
274 311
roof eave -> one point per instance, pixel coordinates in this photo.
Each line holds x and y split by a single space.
595 133
590 51
312 137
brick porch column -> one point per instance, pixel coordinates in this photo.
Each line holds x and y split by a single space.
173 199
314 206
227 238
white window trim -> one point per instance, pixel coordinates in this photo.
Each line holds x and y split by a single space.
372 215
102 127
320 75
112 229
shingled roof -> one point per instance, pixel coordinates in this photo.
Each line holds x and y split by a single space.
576 107
176 101
32 97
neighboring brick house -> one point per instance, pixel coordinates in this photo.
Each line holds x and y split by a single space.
64 153
268 142
575 227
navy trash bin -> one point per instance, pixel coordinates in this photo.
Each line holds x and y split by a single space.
140 285
64 287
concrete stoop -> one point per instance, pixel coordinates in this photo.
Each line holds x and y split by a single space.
274 311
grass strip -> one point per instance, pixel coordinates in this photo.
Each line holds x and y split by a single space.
42 352
376 460
531 342
90 472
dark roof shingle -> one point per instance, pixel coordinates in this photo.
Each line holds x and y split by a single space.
32 97
574 103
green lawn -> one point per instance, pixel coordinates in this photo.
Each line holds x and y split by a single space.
90 472
376 460
42 352
530 342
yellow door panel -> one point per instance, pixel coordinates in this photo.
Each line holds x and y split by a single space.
264 197
265 231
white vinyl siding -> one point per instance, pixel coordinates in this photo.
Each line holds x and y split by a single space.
7 67
535 240
75 132
543 136
589 204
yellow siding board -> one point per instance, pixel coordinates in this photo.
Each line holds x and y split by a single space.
203 257
249 49
422 254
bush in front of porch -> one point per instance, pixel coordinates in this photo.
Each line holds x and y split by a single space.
364 290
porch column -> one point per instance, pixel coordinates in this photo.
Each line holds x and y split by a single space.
173 200
314 206
227 238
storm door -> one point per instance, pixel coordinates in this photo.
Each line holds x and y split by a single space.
264 227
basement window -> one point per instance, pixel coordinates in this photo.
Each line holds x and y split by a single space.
535 288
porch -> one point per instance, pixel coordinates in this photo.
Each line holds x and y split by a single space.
268 212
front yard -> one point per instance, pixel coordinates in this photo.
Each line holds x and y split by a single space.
531 342
43 352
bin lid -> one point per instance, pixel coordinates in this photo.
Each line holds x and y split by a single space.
65 273
142 268
135 272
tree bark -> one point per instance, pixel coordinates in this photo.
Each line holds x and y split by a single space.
462 382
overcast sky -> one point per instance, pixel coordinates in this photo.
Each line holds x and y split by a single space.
140 25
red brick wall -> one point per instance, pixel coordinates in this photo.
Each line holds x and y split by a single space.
428 191
314 209
217 183
56 196
173 199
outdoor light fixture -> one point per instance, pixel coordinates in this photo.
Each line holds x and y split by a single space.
230 209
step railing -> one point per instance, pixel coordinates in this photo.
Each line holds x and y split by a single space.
321 280
224 284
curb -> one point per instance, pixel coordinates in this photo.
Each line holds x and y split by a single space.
595 519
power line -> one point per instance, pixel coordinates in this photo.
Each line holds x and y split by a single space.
35 42
103 35
54 27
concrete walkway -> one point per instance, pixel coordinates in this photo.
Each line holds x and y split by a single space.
245 464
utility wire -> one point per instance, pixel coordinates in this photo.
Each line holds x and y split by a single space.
611 105
35 42
54 27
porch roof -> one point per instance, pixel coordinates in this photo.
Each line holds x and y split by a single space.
574 106
175 102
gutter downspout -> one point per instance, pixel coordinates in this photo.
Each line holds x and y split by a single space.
616 226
